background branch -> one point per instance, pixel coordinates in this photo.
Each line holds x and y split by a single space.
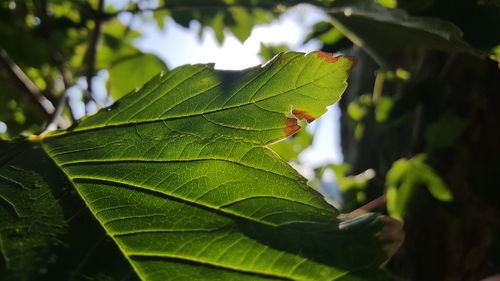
26 85
56 120
47 25
91 55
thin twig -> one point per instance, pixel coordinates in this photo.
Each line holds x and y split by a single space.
24 82
56 120
370 206
65 73
94 42
56 116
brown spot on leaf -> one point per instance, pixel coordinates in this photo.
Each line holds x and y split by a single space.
280 58
291 126
328 57
303 115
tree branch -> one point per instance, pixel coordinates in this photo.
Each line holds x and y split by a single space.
56 120
24 82
58 59
66 78
91 54
368 207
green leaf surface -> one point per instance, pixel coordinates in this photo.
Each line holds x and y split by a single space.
180 176
43 220
30 214
126 74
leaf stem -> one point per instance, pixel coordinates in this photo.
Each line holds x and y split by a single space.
370 206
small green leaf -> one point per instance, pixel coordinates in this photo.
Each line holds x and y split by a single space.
243 23
404 177
268 52
356 111
388 3
160 16
383 109
217 24
126 74
324 32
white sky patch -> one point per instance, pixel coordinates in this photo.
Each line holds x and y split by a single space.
177 45
326 144
3 127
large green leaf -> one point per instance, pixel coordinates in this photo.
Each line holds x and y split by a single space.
180 176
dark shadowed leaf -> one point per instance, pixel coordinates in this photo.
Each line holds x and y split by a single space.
386 32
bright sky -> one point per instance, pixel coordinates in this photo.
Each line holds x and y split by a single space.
178 45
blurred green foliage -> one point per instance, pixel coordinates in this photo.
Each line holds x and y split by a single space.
407 175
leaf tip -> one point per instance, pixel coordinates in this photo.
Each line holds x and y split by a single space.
291 126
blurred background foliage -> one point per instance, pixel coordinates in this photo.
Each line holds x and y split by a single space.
419 127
